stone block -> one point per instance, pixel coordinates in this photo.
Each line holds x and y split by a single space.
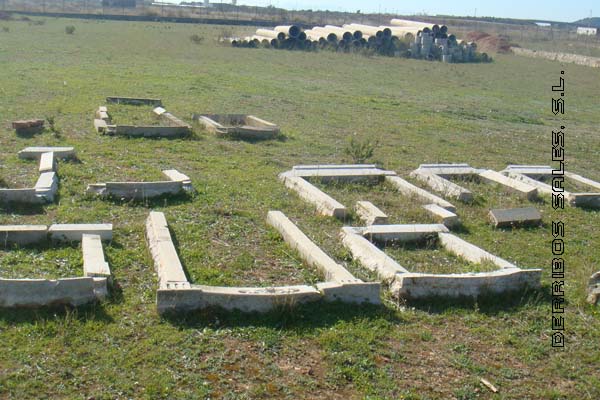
47 162
177 176
351 292
370 214
443 216
402 233
512 185
588 200
23 234
166 261
47 185
100 125
369 255
27 196
310 252
442 185
408 189
42 292
75 232
341 172
94 264
325 204
470 252
448 170
581 179
35 153
527 216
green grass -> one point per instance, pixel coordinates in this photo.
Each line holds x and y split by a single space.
488 115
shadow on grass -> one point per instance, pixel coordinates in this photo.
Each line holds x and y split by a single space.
89 312
300 318
164 200
488 304
22 209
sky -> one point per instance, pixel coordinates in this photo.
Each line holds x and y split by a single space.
553 10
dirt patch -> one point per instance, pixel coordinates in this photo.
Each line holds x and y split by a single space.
490 43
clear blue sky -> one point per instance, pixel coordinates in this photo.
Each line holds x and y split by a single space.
555 10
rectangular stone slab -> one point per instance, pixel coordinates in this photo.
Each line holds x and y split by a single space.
94 263
422 286
470 252
590 200
370 214
369 255
352 292
41 292
583 180
29 123
151 131
513 185
533 171
47 162
27 196
310 252
34 153
142 190
326 205
447 170
540 186
249 299
410 190
402 233
443 185
23 234
100 125
166 261
515 217
176 176
448 218
75 232
340 172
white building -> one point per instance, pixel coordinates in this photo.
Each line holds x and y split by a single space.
587 31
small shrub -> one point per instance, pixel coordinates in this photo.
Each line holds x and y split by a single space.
70 29
52 125
196 39
360 150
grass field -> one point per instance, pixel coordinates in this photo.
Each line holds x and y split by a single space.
488 115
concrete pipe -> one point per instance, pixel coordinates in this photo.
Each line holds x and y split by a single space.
291 30
365 29
357 35
387 32
270 34
407 22
274 42
443 29
435 29
314 34
302 36
345 34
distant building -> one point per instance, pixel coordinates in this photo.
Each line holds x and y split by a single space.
587 31
543 24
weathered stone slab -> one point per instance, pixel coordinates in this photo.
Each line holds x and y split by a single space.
402 233
234 298
166 262
443 216
515 217
100 125
533 171
540 186
172 120
134 101
583 180
47 185
75 232
47 162
351 172
94 263
136 190
41 292
370 214
29 123
103 108
177 176
351 292
513 185
590 200
310 252
419 286
238 126
448 170
159 111
470 252
27 196
408 189
23 234
151 131
325 204
369 255
35 153
442 185
103 115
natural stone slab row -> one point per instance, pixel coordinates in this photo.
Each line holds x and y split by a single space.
47 184
507 217
173 126
370 214
177 183
409 285
534 174
74 291
176 293
238 126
